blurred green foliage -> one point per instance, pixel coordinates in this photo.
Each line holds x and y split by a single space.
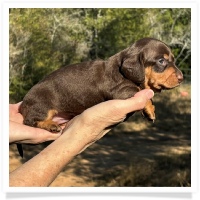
44 39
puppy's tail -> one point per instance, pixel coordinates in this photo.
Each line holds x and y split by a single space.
20 150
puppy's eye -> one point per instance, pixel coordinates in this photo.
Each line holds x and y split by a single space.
162 61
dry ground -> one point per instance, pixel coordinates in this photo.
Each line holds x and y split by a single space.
136 152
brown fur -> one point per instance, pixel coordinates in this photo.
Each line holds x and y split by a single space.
148 63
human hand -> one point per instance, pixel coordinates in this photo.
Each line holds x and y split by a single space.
96 121
20 133
80 132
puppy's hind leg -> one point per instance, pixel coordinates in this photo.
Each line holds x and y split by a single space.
48 124
41 120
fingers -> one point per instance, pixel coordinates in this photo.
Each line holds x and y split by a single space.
18 104
14 114
15 107
112 112
96 121
98 117
25 134
39 135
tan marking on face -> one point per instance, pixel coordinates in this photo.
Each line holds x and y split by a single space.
157 81
147 77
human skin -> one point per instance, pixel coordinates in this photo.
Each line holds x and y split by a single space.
79 133
20 133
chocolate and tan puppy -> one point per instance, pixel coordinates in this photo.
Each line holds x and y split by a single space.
148 63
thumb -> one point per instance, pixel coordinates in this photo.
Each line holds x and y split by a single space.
138 101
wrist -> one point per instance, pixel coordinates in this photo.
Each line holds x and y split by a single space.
79 135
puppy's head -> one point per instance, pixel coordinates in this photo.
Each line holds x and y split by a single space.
150 63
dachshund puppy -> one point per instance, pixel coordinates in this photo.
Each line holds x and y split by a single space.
68 91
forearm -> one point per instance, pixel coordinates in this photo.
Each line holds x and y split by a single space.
41 170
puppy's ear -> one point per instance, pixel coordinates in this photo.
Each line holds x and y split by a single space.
133 68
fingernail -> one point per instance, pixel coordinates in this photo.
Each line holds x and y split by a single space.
149 94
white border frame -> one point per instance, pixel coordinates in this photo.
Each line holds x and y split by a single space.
194 5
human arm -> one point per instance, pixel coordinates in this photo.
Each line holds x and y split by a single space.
80 133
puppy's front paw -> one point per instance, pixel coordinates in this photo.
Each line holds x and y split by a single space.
149 115
149 111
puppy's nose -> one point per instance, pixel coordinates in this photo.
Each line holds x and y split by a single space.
180 77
